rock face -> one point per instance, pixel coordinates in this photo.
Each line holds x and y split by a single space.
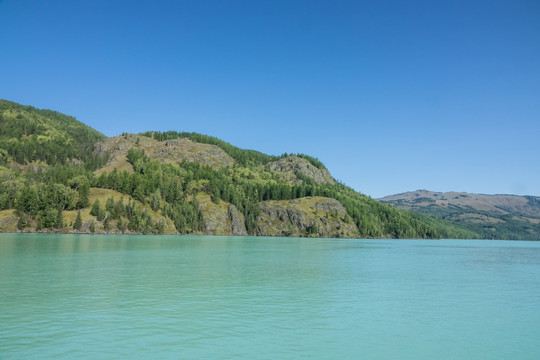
222 218
291 165
236 218
168 152
309 216
180 150
8 220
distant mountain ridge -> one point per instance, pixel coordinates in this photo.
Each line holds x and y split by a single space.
493 216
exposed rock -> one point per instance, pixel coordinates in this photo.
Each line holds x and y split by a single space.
222 218
236 218
291 165
309 216
31 167
180 150
169 152
8 220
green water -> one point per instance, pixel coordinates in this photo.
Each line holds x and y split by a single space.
172 297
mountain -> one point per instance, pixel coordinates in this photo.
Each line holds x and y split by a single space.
492 216
57 174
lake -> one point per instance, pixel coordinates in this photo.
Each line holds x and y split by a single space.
198 297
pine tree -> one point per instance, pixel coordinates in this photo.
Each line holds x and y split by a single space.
106 224
96 208
23 221
155 200
215 197
101 215
78 222
60 219
109 206
84 192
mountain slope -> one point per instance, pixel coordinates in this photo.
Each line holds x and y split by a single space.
28 134
187 182
296 167
173 152
492 216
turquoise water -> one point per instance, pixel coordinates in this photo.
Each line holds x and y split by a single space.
172 297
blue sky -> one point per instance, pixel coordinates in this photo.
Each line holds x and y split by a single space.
391 95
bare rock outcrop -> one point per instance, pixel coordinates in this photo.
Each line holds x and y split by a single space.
222 218
309 216
292 165
168 152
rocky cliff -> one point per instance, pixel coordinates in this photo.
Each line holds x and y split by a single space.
172 152
309 216
292 166
222 218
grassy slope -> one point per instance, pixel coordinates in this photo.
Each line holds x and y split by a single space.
8 219
166 152
28 134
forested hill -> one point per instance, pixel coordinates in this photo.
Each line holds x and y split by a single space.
28 134
57 174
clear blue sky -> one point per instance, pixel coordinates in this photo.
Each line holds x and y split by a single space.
391 95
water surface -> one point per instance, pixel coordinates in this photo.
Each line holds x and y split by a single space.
189 297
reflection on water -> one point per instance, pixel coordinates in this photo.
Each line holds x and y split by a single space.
109 297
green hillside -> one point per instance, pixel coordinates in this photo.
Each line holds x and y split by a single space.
53 166
28 134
